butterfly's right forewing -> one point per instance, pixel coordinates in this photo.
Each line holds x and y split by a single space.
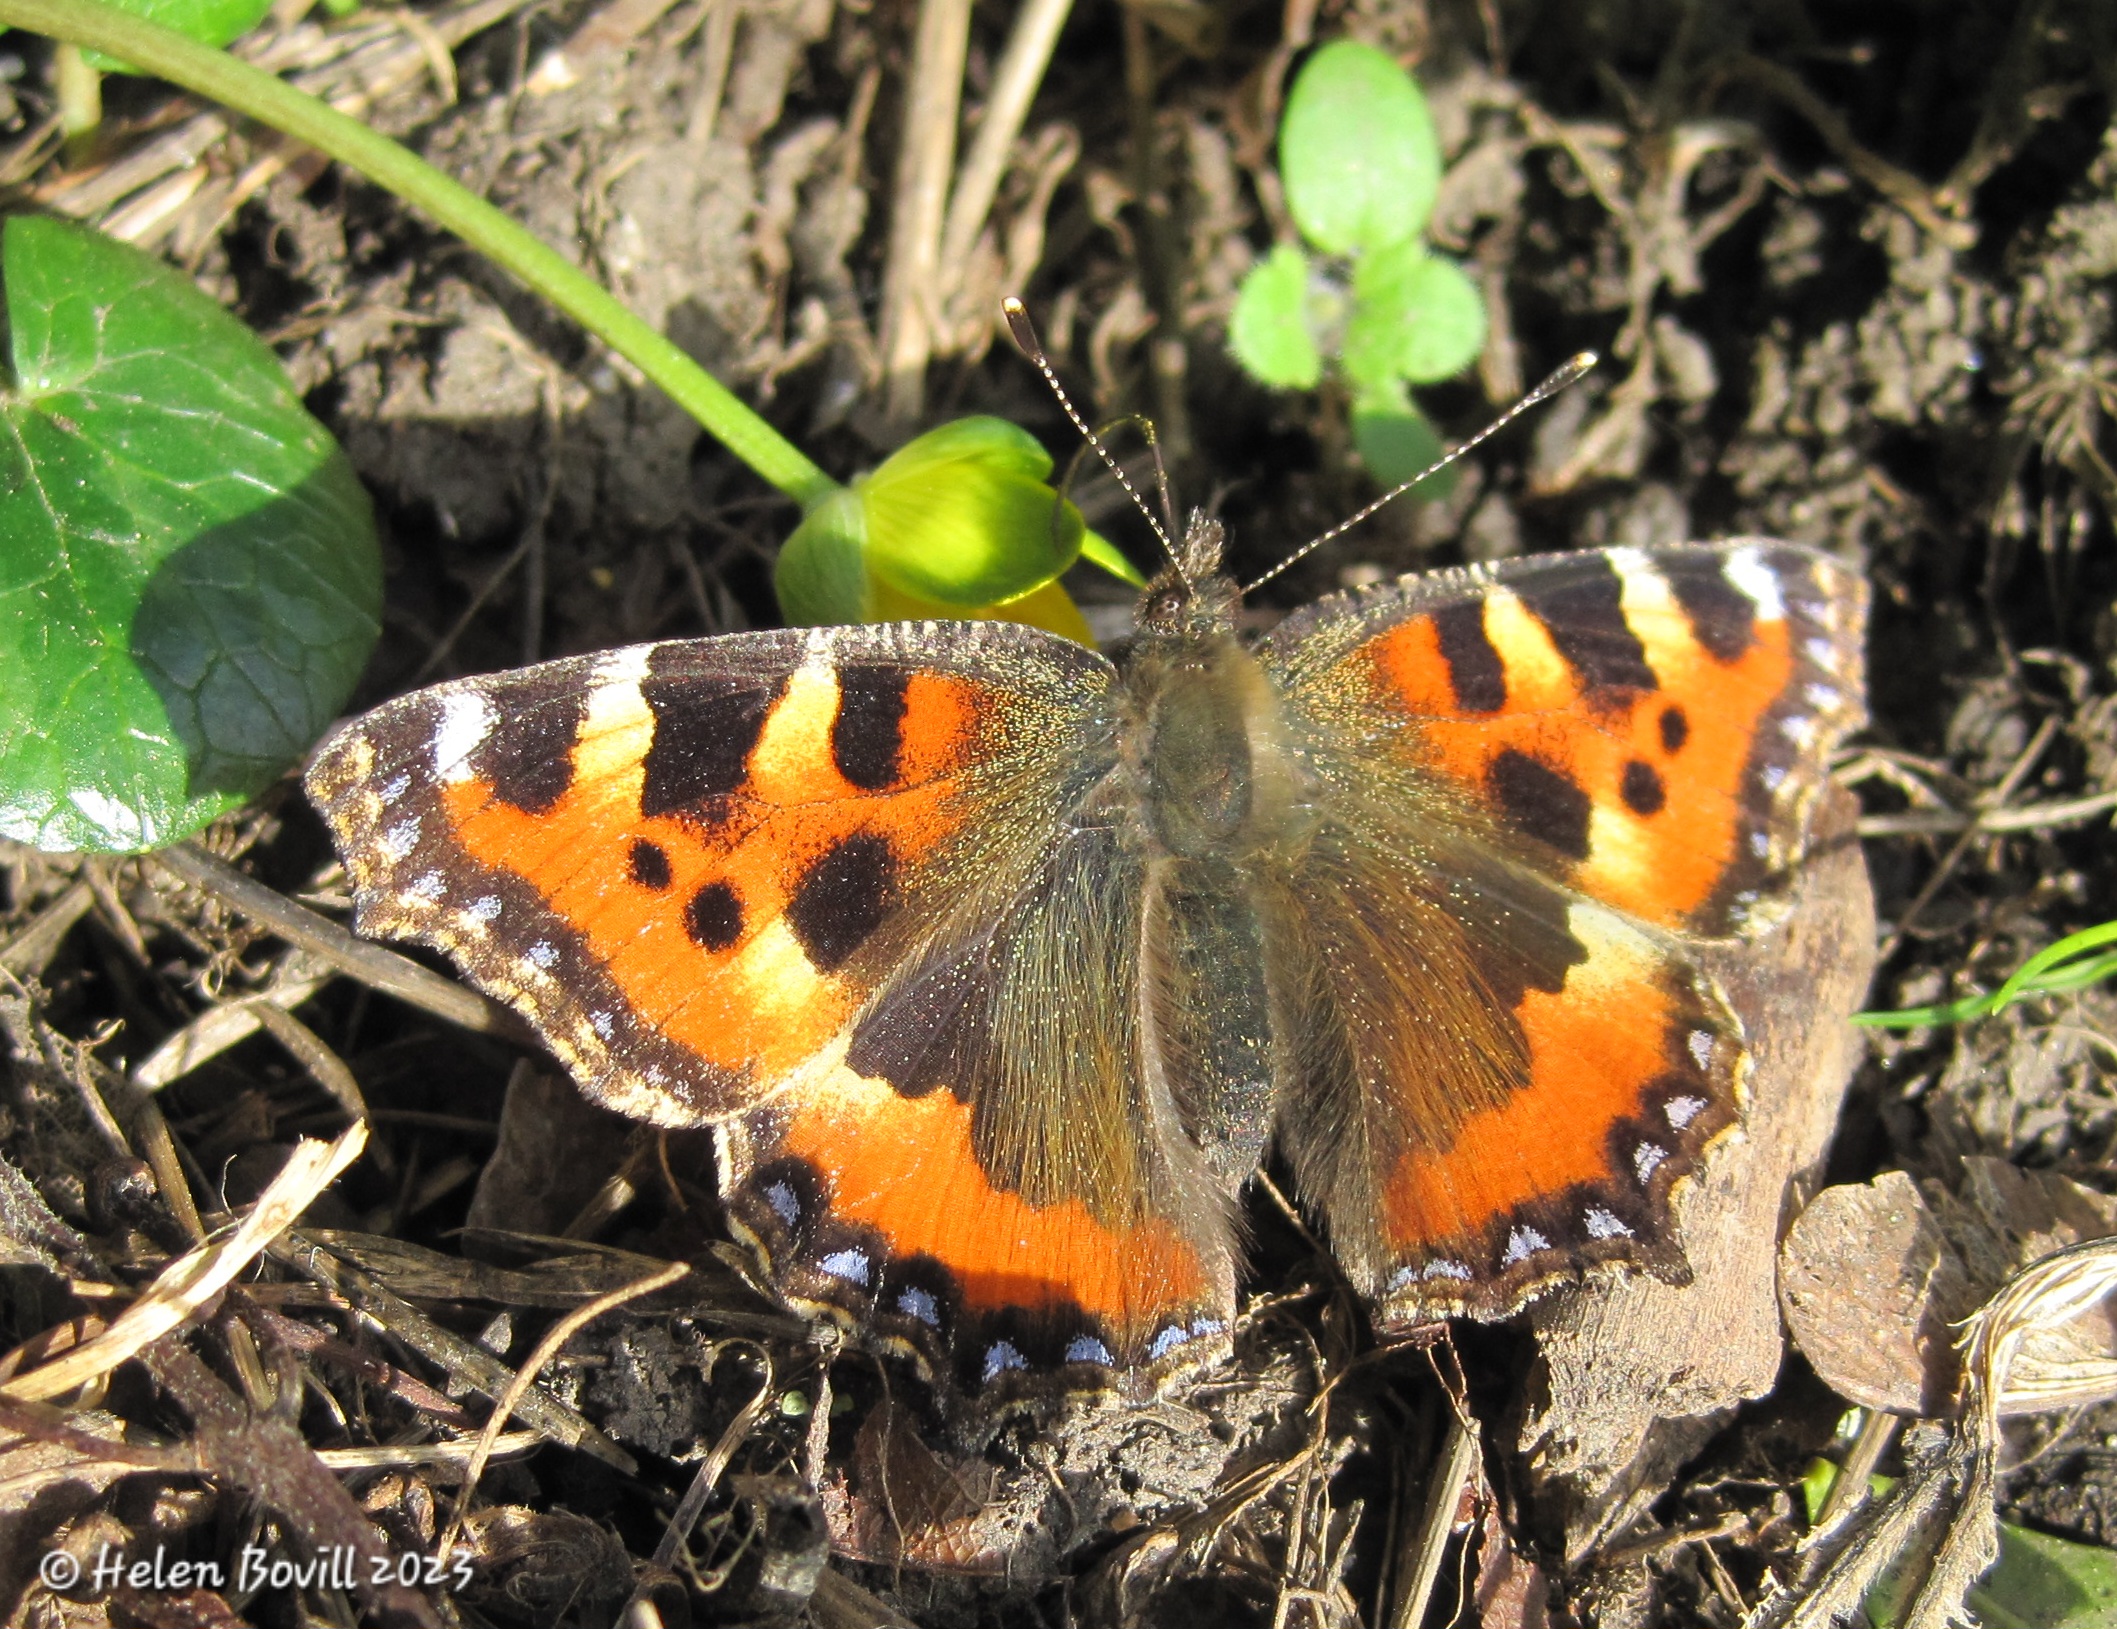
1536 785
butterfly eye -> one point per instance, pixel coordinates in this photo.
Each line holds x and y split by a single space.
1159 609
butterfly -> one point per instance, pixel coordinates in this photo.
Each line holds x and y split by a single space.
1001 964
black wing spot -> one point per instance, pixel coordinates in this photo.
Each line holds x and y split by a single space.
1541 801
528 754
713 918
1585 618
704 731
1644 793
867 736
842 898
650 864
1723 619
1475 671
1675 729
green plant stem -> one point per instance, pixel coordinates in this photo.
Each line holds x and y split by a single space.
80 88
270 101
2051 971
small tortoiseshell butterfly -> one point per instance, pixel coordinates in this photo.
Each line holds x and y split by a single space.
1000 963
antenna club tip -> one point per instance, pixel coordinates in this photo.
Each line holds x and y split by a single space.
1023 330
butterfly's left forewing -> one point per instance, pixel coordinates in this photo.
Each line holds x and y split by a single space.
1539 786
679 859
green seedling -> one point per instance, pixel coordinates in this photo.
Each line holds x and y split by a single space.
961 521
189 577
1366 302
2039 1582
146 414
2075 962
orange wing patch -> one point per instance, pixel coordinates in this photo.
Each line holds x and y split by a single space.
1633 1069
724 920
1655 831
873 1205
668 856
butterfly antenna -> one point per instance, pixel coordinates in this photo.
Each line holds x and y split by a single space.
1024 331
1565 375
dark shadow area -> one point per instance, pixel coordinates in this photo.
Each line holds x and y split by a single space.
254 633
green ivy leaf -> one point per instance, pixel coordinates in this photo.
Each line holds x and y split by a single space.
1416 316
1396 441
210 22
1357 151
1269 329
189 578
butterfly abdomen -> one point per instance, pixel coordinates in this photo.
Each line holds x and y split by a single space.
1224 807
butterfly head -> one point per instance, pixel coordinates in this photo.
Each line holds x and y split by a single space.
1191 596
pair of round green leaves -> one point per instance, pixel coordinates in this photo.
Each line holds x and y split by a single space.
1361 166
189 576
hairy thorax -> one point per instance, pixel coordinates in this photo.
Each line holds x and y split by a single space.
1209 755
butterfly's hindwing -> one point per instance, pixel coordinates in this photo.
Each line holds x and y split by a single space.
1001 1187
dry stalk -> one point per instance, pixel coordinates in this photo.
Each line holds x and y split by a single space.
1426 1544
197 1276
381 969
518 1388
933 97
1014 87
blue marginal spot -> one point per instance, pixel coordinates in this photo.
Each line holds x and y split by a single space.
850 1265
1001 1356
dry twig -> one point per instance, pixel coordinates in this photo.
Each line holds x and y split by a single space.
196 1277
384 970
